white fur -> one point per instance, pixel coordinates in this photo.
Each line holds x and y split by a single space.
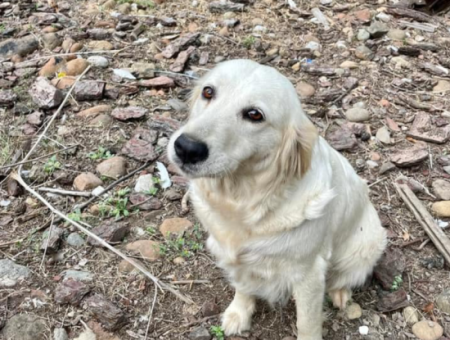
276 231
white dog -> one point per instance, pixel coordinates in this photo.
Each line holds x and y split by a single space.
286 214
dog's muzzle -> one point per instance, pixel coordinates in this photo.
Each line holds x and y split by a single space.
189 150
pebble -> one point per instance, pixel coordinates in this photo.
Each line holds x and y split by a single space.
357 114
86 181
75 67
353 311
305 90
363 330
98 61
441 188
200 333
411 315
377 29
349 64
100 45
148 250
25 327
396 34
174 226
400 62
372 164
364 53
144 184
78 275
94 111
11 272
443 301
363 35
60 334
442 86
75 240
114 167
428 330
383 135
441 209
44 94
51 40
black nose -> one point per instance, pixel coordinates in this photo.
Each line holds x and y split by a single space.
190 151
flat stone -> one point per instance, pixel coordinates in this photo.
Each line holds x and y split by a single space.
158 82
110 231
100 45
441 189
114 167
428 330
393 301
180 62
25 327
94 111
357 114
392 264
78 275
423 129
200 333
441 209
383 135
164 124
140 147
411 315
130 112
86 181
88 90
411 156
144 202
180 44
75 240
22 46
349 64
71 292
174 226
7 97
110 316
146 249
342 139
11 272
225 6
353 311
363 15
44 94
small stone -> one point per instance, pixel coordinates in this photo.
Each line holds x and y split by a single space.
357 114
393 301
86 181
159 82
110 231
441 189
411 315
124 8
305 90
364 53
144 202
114 167
353 311
100 45
51 41
35 118
391 265
144 70
363 35
63 83
377 29
363 15
383 135
52 67
71 292
225 6
60 334
349 64
102 120
181 60
363 330
140 149
12 272
99 33
25 327
14 188
111 317
441 209
342 139
98 61
76 47
94 111
75 67
52 240
130 112
75 240
164 124
179 260
146 249
396 34
428 330
22 46
144 184
44 94
88 90
174 226
200 333
443 301
442 86
78 275
7 97
210 308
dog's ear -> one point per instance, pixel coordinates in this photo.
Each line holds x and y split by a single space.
294 158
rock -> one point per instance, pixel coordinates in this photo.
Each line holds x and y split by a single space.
423 129
396 34
200 333
144 70
44 94
144 184
363 15
393 301
377 29
14 188
76 47
52 67
102 120
391 265
210 308
110 316
140 147
428 330
158 82
21 47
51 41
60 334
10 273
99 34
174 226
172 194
305 90
363 330
349 64
100 45
353 311
75 67
363 35
181 60
411 315
411 156
25 327
442 86
357 114
441 209
82 276
94 111
164 124
52 240
443 301
63 83
225 6
86 181
98 61
144 202
130 112
71 292
110 231
180 44
383 135
148 250
364 53
114 167
35 118
342 139
7 97
88 90
441 189
75 240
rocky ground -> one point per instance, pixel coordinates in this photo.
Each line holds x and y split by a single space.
374 79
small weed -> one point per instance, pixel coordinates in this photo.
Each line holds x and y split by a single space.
248 42
75 216
2 28
52 165
150 230
117 205
217 332
184 246
398 281
101 153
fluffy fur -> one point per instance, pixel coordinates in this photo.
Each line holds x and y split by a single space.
286 214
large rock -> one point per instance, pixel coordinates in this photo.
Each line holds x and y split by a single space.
22 46
86 181
70 291
106 312
428 330
44 94
174 226
25 327
114 167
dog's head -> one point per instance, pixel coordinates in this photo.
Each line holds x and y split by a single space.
244 118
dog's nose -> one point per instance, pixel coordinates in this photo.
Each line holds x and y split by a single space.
190 151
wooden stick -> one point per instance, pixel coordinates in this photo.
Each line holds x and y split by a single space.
433 231
66 192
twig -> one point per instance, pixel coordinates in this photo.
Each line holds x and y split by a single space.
66 192
10 242
189 282
379 181
178 74
78 53
38 158
150 312
224 38
417 240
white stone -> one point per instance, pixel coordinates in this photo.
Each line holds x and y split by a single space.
363 330
98 61
144 184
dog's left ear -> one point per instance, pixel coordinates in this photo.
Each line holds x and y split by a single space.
294 158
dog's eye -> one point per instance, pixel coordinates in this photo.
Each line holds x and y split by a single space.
208 92
253 115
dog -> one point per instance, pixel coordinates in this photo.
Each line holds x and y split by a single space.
286 214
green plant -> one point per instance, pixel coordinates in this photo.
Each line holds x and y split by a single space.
249 41
116 205
2 28
52 165
101 153
217 332
75 216
397 283
151 230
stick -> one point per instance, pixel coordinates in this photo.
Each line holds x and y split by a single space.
79 53
433 231
66 192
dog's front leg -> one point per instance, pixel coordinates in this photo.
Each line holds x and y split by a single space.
309 295
238 316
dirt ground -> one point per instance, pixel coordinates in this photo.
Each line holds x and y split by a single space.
375 87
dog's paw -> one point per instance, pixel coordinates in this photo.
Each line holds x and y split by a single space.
236 320
340 297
